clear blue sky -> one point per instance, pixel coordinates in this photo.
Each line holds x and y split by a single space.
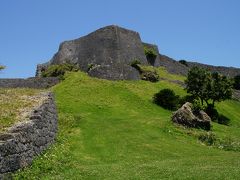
207 31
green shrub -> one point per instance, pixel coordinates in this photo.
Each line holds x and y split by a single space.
167 99
135 62
150 53
208 138
58 70
184 62
151 76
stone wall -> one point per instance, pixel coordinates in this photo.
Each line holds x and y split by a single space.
172 65
110 50
24 140
33 82
227 71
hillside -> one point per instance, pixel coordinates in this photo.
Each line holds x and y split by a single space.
15 104
112 130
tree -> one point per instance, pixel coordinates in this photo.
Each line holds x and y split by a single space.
209 88
236 84
221 88
198 82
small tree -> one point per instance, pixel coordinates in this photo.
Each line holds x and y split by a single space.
221 88
198 82
208 87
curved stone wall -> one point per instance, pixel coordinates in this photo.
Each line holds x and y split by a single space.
24 140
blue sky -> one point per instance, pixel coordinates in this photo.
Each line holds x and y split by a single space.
207 31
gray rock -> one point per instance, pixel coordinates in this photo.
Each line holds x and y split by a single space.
184 116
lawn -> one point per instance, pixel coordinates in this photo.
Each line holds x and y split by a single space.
14 103
112 130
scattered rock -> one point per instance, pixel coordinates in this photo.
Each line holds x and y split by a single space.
184 116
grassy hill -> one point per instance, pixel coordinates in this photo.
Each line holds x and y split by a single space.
112 130
14 104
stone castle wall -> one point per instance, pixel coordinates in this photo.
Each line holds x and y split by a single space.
25 140
37 83
110 50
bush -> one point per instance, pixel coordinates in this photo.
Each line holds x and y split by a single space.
151 76
58 70
184 62
167 99
208 138
135 62
150 53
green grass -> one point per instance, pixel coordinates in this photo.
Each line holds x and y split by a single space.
163 73
12 102
112 130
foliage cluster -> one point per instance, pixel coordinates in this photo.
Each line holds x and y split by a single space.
150 52
167 99
208 87
59 70
146 73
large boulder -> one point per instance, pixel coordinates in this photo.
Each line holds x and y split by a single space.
185 116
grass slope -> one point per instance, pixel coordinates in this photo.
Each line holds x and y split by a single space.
112 130
13 102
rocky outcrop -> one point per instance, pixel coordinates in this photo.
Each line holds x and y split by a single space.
37 83
184 116
23 141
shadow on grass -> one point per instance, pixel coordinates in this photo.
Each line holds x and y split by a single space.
223 120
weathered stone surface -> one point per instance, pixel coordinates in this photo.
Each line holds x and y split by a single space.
184 116
38 83
26 139
111 49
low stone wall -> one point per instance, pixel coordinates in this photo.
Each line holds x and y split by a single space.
38 83
23 141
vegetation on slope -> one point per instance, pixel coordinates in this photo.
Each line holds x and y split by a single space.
113 130
14 102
